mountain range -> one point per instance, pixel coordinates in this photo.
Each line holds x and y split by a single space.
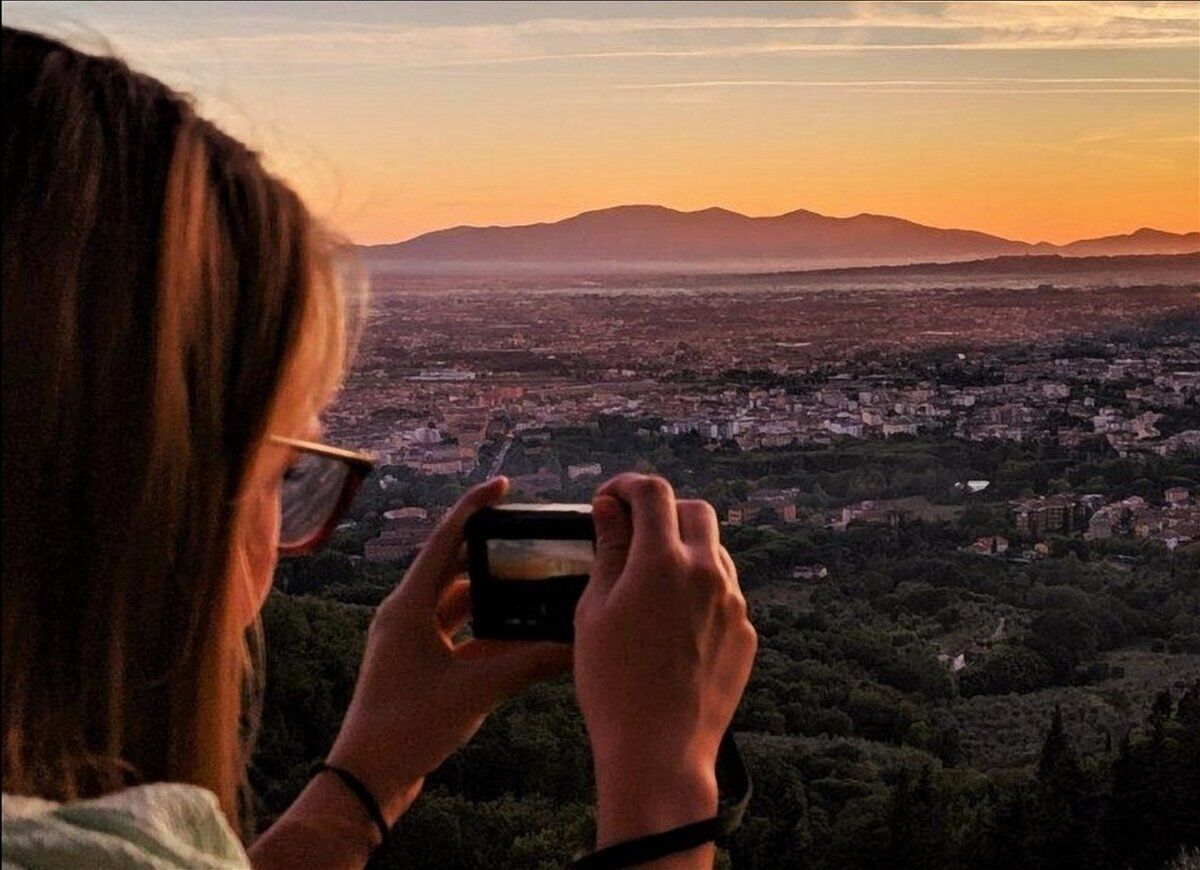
635 238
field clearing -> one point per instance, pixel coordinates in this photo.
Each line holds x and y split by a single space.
921 508
1007 730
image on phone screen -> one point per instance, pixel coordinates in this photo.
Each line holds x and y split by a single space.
538 558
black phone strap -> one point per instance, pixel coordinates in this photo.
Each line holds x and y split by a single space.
732 775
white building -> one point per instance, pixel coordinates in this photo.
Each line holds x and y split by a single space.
587 469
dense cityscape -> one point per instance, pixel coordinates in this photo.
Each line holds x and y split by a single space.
440 376
445 385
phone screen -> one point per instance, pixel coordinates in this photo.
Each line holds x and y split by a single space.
538 558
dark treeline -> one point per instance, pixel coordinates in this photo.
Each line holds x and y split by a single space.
847 805
1056 746
519 794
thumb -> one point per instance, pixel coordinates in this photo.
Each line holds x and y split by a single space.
613 534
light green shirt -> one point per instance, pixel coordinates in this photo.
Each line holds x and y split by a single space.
162 825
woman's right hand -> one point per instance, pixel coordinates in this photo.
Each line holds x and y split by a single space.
663 650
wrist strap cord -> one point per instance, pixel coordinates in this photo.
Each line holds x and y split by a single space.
364 796
731 774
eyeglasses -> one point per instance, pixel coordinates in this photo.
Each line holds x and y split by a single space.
317 488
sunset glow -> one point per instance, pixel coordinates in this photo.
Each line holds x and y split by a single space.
1035 121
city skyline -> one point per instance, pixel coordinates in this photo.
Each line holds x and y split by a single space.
1032 121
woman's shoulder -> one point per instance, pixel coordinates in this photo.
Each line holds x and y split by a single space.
161 825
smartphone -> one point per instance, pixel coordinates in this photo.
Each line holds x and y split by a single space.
528 565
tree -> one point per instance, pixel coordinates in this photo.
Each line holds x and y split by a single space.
1066 824
314 573
1058 765
1188 709
1011 668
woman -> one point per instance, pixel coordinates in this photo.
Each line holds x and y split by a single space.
173 327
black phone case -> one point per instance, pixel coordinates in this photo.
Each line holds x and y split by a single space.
524 610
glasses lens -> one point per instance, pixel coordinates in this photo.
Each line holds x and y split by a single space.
312 489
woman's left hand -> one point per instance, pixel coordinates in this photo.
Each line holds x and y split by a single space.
419 694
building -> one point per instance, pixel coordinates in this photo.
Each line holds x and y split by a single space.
990 545
845 425
1105 523
1040 516
405 532
781 501
954 664
810 573
973 486
868 511
899 426
542 480
587 469
1176 495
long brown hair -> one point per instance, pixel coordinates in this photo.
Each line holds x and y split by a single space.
166 302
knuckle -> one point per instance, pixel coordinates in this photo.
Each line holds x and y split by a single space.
732 607
708 574
651 487
700 510
617 482
669 562
751 636
676 558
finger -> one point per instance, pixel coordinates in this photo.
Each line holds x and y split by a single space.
508 666
698 526
652 507
613 534
731 573
441 554
458 565
454 606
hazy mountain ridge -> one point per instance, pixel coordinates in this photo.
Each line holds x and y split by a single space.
628 238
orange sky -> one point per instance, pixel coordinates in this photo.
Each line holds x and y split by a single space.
1038 121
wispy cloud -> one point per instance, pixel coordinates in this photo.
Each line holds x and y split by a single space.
1047 86
975 84
861 27
1049 91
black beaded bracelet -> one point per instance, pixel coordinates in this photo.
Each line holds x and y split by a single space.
364 796
731 772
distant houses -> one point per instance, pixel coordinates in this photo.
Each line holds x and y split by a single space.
541 481
1062 513
587 469
1173 523
405 530
810 573
990 545
779 504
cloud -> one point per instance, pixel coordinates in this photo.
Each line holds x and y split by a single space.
855 27
981 85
